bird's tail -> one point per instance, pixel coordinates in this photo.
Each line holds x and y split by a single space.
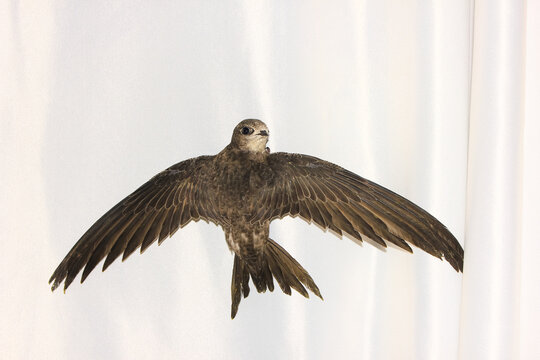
273 262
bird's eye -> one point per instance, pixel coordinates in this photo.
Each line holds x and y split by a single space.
246 130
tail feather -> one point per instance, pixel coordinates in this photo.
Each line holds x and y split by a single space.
238 285
274 262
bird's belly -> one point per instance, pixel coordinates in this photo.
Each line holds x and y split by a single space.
247 240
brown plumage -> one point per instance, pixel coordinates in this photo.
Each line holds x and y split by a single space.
242 189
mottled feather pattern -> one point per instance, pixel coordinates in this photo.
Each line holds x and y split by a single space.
244 188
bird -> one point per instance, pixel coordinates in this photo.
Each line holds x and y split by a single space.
243 189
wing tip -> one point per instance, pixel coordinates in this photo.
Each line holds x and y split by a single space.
455 261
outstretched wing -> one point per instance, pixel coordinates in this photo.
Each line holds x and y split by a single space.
342 201
168 201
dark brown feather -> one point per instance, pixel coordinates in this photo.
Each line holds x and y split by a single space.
342 201
122 241
152 212
243 190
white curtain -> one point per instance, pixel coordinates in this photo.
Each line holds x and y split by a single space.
436 100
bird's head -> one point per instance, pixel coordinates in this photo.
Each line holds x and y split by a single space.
250 135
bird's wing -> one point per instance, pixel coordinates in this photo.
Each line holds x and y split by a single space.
168 201
339 200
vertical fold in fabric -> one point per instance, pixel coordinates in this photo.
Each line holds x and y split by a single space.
490 311
530 266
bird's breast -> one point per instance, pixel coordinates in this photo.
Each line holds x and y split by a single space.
238 185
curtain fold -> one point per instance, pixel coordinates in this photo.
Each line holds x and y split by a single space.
529 329
491 281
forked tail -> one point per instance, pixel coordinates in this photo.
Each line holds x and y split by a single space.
276 263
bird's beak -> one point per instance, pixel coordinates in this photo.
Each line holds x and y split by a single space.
263 133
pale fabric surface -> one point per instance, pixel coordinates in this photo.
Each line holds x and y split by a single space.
97 98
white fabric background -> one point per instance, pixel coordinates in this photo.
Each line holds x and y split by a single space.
439 101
